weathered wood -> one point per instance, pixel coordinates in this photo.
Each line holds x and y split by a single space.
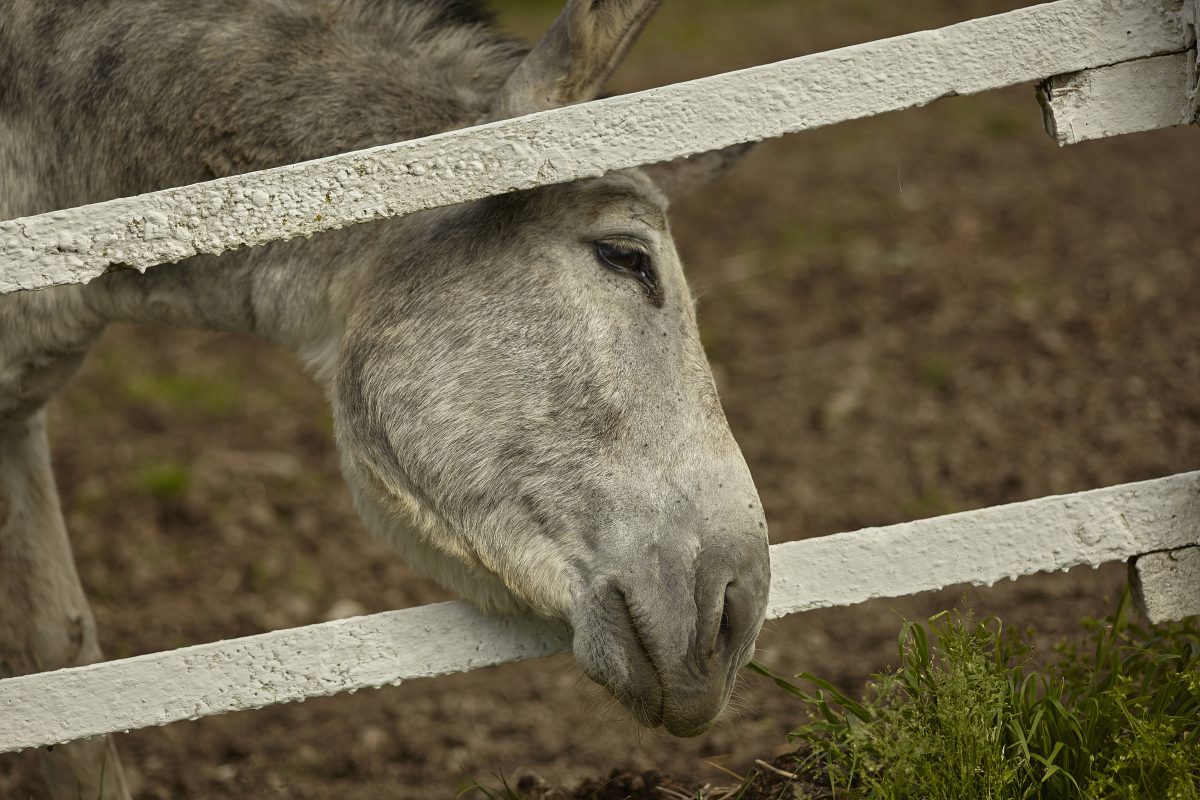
979 547
1130 97
985 546
256 671
77 245
1167 585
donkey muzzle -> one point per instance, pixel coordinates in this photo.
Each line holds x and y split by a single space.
668 643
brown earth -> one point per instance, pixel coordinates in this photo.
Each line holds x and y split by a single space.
930 311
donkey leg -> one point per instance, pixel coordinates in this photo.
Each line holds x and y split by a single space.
45 621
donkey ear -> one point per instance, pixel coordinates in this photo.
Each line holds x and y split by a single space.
575 57
683 175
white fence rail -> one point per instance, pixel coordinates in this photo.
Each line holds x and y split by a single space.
977 547
1135 70
76 245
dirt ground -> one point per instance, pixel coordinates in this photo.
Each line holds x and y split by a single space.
930 311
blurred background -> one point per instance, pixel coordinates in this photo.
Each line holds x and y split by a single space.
926 312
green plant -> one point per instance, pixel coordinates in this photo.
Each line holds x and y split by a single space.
936 373
213 395
505 792
163 479
966 715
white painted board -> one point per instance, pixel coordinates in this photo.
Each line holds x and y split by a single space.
985 546
1029 44
1130 97
256 671
977 547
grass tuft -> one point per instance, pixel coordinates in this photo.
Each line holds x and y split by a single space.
213 396
164 479
966 715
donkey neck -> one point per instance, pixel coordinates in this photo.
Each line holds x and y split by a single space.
293 294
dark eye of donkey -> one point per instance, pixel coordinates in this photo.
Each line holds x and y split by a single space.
622 258
629 259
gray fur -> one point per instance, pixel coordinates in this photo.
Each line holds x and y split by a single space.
531 428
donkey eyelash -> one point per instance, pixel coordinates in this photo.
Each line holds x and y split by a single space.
625 243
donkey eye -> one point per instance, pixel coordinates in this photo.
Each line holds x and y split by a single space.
622 257
632 260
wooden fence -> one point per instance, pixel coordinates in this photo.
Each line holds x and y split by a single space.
1106 67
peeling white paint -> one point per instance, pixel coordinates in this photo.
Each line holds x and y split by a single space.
1129 97
77 245
982 547
1168 583
256 671
978 547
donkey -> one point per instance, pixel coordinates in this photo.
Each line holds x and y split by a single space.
521 403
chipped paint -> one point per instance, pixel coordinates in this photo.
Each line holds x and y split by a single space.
983 547
1130 97
1167 584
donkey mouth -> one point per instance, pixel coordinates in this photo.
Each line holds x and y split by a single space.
648 704
611 647
657 679
670 656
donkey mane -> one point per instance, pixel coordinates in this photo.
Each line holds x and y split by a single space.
206 90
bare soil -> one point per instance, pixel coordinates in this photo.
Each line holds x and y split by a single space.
931 311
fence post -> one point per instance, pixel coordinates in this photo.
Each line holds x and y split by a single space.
1130 96
1167 584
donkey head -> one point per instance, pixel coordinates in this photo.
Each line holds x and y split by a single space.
525 411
